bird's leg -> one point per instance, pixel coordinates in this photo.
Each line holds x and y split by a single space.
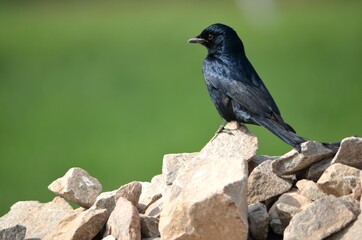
223 129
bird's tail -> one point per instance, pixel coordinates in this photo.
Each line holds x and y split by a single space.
288 135
280 130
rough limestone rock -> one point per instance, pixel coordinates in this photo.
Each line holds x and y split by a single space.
107 200
310 189
350 152
207 203
293 161
240 144
124 221
151 191
149 226
258 219
77 186
109 237
80 225
316 170
154 209
16 232
320 219
172 163
351 232
38 218
263 184
284 209
337 179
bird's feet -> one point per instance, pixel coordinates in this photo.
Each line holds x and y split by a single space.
222 129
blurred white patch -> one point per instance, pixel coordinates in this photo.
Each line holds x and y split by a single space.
87 181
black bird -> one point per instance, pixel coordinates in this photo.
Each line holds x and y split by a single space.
235 88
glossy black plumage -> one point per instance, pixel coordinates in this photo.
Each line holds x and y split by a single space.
235 88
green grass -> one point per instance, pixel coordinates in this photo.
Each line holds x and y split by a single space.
113 87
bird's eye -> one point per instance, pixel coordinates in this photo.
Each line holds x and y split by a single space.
210 37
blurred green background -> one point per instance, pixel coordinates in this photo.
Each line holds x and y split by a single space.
113 86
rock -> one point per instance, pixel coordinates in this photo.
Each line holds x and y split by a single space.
16 232
154 209
77 186
131 192
257 160
350 152
107 200
149 226
351 232
337 178
241 144
263 184
109 237
293 161
156 238
151 191
172 163
80 226
284 209
258 219
310 189
205 202
320 219
38 218
124 221
316 170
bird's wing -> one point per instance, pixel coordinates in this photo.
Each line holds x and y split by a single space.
254 97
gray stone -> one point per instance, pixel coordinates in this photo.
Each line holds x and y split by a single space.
263 184
16 232
124 221
336 179
240 144
149 226
310 189
320 219
293 161
77 186
205 202
258 219
316 170
131 192
284 209
350 152
172 163
38 218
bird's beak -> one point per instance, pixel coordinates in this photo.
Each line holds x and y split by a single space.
197 40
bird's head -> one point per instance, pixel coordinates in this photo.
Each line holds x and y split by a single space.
219 38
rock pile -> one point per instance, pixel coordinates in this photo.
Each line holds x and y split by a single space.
314 194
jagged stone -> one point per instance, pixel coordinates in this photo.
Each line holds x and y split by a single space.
241 144
310 189
316 170
205 202
154 209
131 192
38 218
351 232
293 161
258 219
77 185
80 226
149 226
16 232
350 152
264 184
172 163
124 221
337 179
150 191
320 219
109 237
284 209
